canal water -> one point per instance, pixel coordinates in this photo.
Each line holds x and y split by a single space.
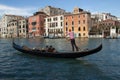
103 65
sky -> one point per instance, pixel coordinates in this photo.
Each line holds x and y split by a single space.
28 7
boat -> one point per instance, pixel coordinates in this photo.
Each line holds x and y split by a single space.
77 54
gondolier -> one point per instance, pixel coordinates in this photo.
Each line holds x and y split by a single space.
72 39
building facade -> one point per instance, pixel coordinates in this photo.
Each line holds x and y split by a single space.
109 27
23 28
103 16
17 28
97 19
54 26
12 29
4 22
49 10
79 22
36 24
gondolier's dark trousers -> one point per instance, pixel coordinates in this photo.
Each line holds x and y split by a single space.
73 44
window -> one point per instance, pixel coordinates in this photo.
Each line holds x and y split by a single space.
61 24
72 28
33 23
56 24
79 34
78 22
33 28
79 29
72 23
61 18
48 30
83 28
23 26
12 24
23 21
20 31
66 23
55 19
23 31
83 15
83 34
83 21
19 26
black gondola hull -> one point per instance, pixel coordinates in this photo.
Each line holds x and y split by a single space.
57 54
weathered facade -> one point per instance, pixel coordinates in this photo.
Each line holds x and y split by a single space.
23 28
4 23
17 28
36 24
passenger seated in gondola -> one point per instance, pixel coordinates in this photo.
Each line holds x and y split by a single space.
54 50
51 49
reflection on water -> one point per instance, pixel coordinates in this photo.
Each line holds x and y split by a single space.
104 65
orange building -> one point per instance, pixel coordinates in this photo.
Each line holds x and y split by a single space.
79 22
36 24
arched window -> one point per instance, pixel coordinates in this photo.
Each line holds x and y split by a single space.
72 22
79 35
83 28
66 23
79 29
72 28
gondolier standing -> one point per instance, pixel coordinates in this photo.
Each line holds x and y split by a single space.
72 39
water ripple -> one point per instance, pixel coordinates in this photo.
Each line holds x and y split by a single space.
101 66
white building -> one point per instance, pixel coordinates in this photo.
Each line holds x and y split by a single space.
103 16
54 26
4 23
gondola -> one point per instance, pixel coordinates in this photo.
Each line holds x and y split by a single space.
56 54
